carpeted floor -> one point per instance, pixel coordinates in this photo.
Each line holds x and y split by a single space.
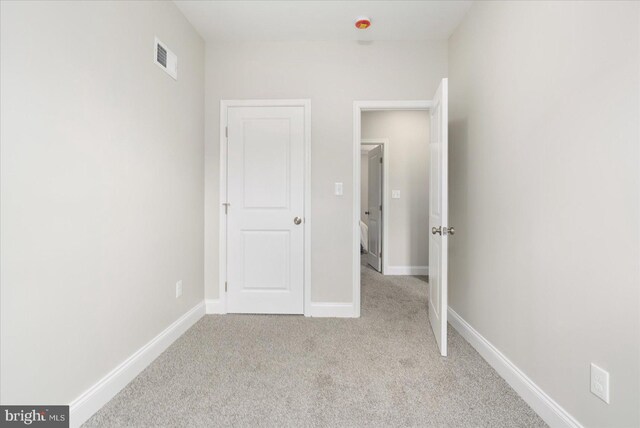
382 369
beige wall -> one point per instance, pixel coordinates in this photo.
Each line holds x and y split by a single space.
332 75
408 153
102 189
544 187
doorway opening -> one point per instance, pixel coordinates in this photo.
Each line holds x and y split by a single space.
393 223
433 186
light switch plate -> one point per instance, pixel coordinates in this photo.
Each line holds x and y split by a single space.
395 194
178 289
338 189
600 383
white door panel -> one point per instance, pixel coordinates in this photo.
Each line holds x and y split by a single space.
265 248
438 216
374 257
270 250
266 163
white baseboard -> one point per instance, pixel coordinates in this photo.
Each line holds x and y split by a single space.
317 309
214 306
83 407
407 270
331 310
552 413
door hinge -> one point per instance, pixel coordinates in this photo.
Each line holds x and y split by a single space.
226 131
380 208
380 160
226 207
225 286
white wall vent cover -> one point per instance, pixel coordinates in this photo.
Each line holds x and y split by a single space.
165 59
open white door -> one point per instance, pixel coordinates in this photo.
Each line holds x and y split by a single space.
374 258
438 216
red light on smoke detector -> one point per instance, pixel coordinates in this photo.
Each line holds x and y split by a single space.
363 23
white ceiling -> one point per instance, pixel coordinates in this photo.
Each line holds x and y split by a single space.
323 19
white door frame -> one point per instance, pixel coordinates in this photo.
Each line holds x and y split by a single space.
358 108
384 142
224 106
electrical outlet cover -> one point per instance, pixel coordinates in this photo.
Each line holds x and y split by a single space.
600 383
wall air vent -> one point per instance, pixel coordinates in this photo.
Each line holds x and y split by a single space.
165 59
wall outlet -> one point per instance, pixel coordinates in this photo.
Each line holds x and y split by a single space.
338 189
600 383
178 289
395 194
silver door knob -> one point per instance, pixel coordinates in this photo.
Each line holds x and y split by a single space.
449 231
436 230
297 220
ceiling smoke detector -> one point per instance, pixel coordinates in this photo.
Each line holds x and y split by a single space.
363 23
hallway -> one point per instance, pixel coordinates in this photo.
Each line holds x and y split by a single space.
382 369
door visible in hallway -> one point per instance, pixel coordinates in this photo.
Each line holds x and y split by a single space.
374 257
265 232
438 216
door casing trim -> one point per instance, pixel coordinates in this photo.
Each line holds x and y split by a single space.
224 106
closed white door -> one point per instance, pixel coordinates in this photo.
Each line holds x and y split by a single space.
438 217
265 232
374 257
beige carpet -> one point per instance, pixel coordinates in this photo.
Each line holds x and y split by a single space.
382 369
